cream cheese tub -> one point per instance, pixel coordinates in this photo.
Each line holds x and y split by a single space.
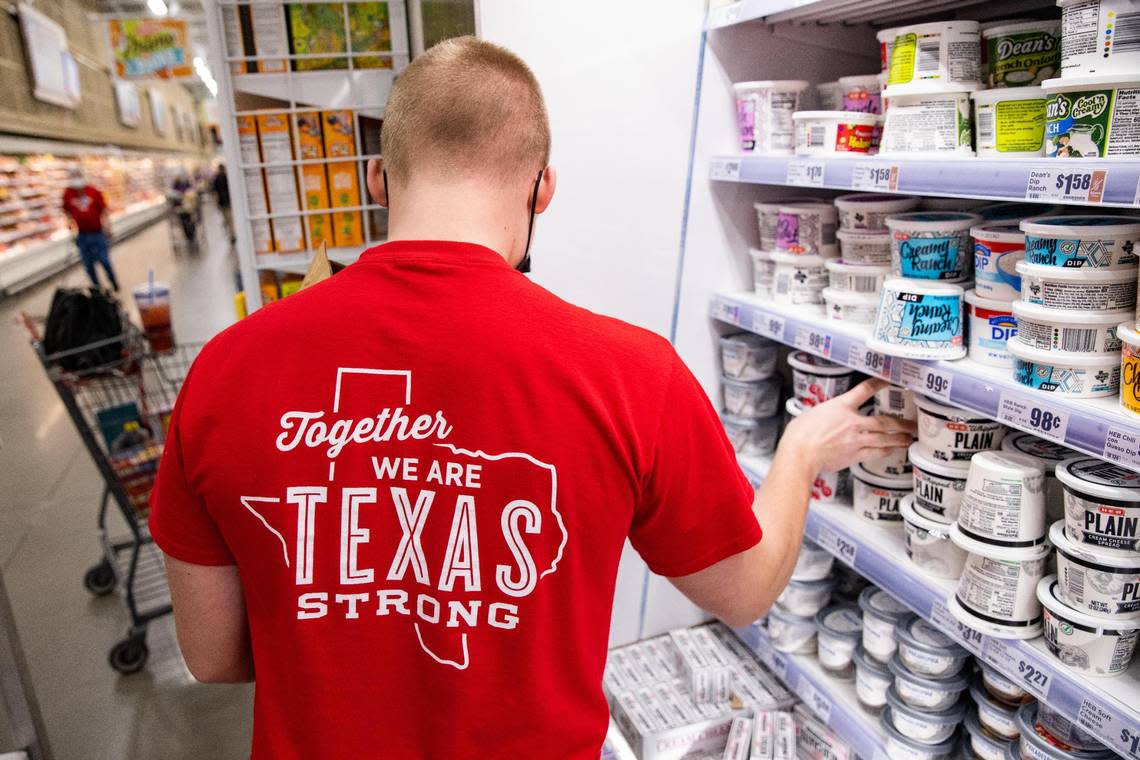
764 115
838 631
856 278
791 633
989 325
928 125
869 211
1129 366
876 498
895 401
1004 503
1050 454
984 745
1075 242
1064 373
763 272
1102 507
903 746
1003 688
935 56
925 693
939 484
1095 582
830 133
949 434
1093 644
865 248
881 613
927 651
1010 122
752 437
827 486
799 279
928 543
1088 34
861 94
1092 117
848 306
997 593
1077 289
932 245
807 228
998 246
756 399
1036 744
1065 731
872 679
1081 332
921 725
1022 54
815 380
768 217
919 319
747 356
998 718
813 563
806 598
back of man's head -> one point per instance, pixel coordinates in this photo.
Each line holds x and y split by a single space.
465 108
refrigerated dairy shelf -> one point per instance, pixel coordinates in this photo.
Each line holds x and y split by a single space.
1099 427
837 11
1109 708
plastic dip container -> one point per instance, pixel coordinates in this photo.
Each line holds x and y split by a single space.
872 679
865 248
886 40
1129 366
830 96
927 651
920 725
997 717
869 211
1102 507
747 356
826 133
806 598
1081 332
768 216
984 745
1064 730
1092 242
938 484
877 498
848 306
1078 289
1050 454
799 279
752 437
949 434
925 693
861 94
764 115
763 272
1093 644
881 613
807 228
1004 503
791 633
990 325
756 398
896 401
856 278
934 124
901 746
935 56
1064 373
815 380
1092 117
1003 688
932 245
928 543
1095 582
828 486
1010 121
1022 54
919 319
813 563
998 246
1086 36
997 593
1036 746
840 628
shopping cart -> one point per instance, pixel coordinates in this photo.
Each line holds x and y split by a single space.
122 411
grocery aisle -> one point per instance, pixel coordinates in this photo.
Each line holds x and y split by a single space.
47 539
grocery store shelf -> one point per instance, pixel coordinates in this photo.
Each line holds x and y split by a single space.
1099 427
299 262
363 90
833 701
1109 708
843 11
1110 183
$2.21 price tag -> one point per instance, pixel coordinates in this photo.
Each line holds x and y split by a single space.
1029 414
1067 185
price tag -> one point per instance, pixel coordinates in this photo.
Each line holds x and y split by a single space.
841 547
727 14
768 325
813 340
805 173
1065 184
1122 447
819 702
1045 420
926 379
868 360
964 634
875 177
1124 738
725 169
726 312
1011 660
777 662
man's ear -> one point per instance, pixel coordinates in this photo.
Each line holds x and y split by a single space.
546 189
374 178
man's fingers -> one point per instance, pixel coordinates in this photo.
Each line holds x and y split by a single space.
863 392
886 424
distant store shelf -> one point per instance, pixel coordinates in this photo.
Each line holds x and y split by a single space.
840 11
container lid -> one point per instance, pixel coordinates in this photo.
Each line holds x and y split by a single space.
842 620
858 79
862 661
928 404
801 260
1007 464
1048 25
764 383
850 297
745 339
826 208
1099 479
921 749
1087 554
822 583
919 634
982 302
951 715
1101 625
1126 331
924 287
911 516
1073 274
998 232
791 85
1027 725
956 682
839 265
812 364
152 290
775 205
760 255
1035 312
789 619
1000 553
738 421
881 237
874 601
899 483
933 221
978 734
1049 452
923 461
1081 226
1008 93
1026 352
849 117
793 407
1089 82
888 202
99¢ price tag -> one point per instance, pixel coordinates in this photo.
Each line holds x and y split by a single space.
1042 419
876 178
815 341
805 173
868 360
1067 185
926 379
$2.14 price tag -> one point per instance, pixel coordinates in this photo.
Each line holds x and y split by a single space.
1066 185
805 173
875 177
1033 415
964 634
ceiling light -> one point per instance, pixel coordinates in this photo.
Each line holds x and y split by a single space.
157 7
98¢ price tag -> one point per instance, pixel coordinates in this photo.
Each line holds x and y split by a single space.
815 341
1066 184
1044 420
868 360
805 173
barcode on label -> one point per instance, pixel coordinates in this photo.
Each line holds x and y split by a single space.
864 284
928 58
986 125
1077 340
1126 33
817 135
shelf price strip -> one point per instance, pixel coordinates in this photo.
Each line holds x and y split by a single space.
875 178
816 341
1043 419
1122 447
926 379
805 173
725 169
1065 185
868 360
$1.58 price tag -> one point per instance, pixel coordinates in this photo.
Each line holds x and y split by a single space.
1042 419
805 173
1066 185
876 178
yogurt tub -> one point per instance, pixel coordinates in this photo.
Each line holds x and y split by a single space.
868 211
925 693
1077 289
982 744
1086 30
903 746
1050 454
928 543
1064 373
1010 122
1089 242
806 598
1064 730
829 133
1093 644
1022 55
949 434
827 486
872 679
927 651
1082 332
998 718
997 593
815 380
1096 583
1102 507
747 356
763 272
861 94
990 325
1004 503
849 306
791 633
768 217
895 401
876 498
856 278
807 228
1091 117
1003 688
813 563
752 437
1129 366
798 279
1037 745
865 248
839 629
919 319
764 115
830 96
938 485
758 399
959 64
932 245
998 246
920 725
937 124
881 613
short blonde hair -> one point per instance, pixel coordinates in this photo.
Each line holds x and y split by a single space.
465 106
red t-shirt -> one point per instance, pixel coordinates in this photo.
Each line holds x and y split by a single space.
425 469
86 207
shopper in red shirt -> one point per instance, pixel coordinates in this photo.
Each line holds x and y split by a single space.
399 497
85 206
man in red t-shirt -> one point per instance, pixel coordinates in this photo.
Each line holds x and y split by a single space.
399 497
85 206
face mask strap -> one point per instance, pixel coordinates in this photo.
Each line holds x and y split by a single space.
524 265
387 195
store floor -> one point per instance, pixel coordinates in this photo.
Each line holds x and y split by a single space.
47 540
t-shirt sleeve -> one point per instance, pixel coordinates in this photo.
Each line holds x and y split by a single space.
696 505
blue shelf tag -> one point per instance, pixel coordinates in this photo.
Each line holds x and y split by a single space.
876 178
813 340
805 173
1065 184
1043 419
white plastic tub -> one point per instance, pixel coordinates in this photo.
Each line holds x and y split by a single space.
813 563
829 95
1082 242
919 319
868 212
921 725
896 401
881 613
849 306
1004 503
763 272
1102 507
1081 332
790 633
890 466
865 248
1086 26
1095 582
872 679
935 57
856 278
984 745
998 718
806 598
998 246
1023 54
834 133
1065 374
815 380
768 217
1129 366
949 434
927 651
876 498
1034 746
1003 688
1049 454
928 543
939 484
747 356
932 245
839 630
758 399
1091 644
752 437
938 124
1077 289
799 279
989 325
1092 117
764 115
1010 122
997 593
902 746
807 228
923 692
861 94
1064 730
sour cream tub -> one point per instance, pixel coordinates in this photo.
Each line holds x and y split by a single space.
751 437
997 593
1095 645
868 211
919 319
928 543
932 245
856 278
813 563
984 745
1102 507
1002 688
881 613
791 633
815 380
806 598
799 279
764 115
927 651
1086 34
1065 731
990 325
807 228
1076 242
903 746
1129 366
998 246
1004 503
895 401
1095 582
839 630
747 356
1036 745
1077 289
876 498
865 248
998 718
938 124
949 434
849 306
763 272
872 679
1092 117
925 693
935 56
768 217
1064 373
938 485
1024 54
827 486
1081 332
756 399
831 133
1049 454
920 725
1010 122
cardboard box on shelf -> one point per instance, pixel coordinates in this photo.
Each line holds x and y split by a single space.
371 32
235 21
318 28
280 181
270 35
344 188
313 179
250 151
